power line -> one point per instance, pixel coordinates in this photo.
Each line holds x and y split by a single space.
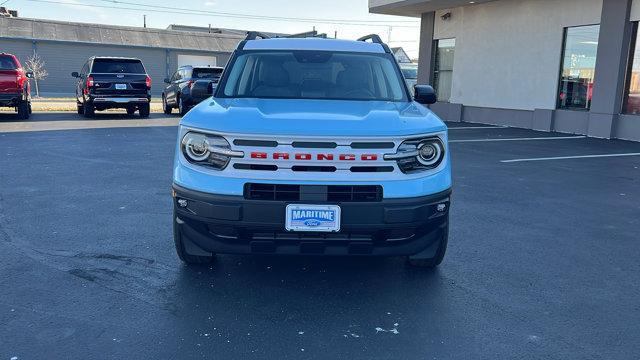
257 16
159 9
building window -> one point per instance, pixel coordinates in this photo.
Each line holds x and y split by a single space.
632 90
443 68
578 67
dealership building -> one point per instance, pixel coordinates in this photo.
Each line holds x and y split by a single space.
65 46
571 66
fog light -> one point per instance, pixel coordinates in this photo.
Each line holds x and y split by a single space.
182 202
441 207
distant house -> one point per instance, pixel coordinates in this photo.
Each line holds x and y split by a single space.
401 55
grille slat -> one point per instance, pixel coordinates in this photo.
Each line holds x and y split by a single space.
334 193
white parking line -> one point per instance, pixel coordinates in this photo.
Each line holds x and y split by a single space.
520 139
476 127
570 157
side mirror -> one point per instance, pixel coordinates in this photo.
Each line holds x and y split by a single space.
424 94
29 74
167 81
75 74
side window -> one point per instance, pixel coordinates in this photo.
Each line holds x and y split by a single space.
85 69
176 76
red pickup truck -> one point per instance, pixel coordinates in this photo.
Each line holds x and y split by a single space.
15 90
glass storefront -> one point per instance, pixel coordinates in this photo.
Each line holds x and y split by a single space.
443 68
578 67
632 90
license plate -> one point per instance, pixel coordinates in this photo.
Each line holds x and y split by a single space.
121 86
300 217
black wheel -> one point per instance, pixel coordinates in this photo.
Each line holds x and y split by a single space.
23 110
131 110
89 110
144 110
165 107
183 109
80 108
437 259
181 249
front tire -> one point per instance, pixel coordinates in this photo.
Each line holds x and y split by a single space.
131 110
179 242
80 109
439 256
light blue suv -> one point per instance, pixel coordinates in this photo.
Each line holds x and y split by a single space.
312 146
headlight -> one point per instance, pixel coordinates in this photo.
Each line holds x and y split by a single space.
207 150
418 155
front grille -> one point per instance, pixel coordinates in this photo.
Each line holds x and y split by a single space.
332 193
354 193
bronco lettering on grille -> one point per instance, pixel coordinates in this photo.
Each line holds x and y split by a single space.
307 156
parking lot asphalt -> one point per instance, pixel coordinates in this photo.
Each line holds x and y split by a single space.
542 261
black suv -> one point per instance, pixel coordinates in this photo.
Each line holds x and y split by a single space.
112 83
179 94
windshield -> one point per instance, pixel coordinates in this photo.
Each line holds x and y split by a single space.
206 73
410 72
7 63
314 75
118 66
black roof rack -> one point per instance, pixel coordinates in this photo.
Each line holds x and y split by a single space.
375 38
252 35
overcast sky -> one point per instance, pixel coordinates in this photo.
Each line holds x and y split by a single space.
403 34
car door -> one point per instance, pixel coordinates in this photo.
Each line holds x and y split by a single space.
171 91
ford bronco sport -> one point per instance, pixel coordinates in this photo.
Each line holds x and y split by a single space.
312 146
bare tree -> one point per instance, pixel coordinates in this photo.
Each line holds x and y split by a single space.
36 65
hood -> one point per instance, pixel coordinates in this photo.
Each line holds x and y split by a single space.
313 117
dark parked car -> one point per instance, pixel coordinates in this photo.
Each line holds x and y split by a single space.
112 83
179 91
14 86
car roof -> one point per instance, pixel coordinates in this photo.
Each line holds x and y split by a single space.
113 57
200 67
318 44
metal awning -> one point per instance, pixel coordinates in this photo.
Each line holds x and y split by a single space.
415 7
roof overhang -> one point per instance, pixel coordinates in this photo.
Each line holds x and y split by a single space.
416 7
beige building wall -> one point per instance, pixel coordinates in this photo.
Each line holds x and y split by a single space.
508 52
635 10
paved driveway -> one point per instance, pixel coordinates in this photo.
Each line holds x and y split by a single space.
542 263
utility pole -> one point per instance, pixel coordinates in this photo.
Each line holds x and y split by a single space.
144 21
389 34
335 34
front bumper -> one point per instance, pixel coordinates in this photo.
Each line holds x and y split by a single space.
235 225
